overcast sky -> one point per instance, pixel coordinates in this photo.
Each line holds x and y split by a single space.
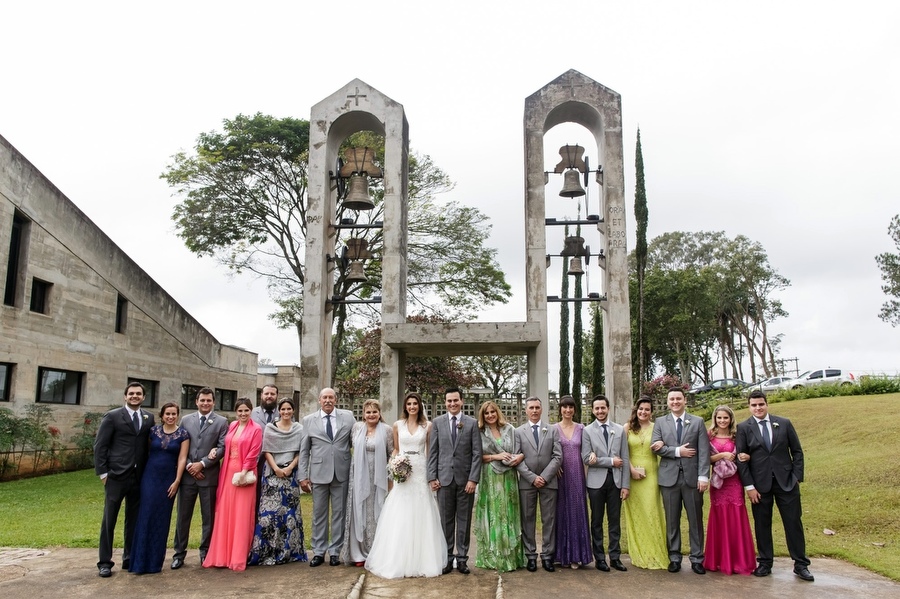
775 120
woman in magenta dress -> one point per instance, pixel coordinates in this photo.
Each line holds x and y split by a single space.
236 497
573 537
729 544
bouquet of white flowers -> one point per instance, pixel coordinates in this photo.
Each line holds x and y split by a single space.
399 468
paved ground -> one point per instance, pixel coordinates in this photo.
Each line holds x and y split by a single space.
71 574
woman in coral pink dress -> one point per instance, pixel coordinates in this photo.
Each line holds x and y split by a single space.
236 497
729 544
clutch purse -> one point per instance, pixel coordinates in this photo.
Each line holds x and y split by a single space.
640 470
243 481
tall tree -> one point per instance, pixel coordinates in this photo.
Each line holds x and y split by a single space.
243 201
598 375
577 340
889 263
564 370
641 218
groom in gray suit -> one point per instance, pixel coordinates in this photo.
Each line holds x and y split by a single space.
207 431
454 469
325 468
538 483
604 449
682 444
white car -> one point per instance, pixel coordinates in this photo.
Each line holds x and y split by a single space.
768 385
824 376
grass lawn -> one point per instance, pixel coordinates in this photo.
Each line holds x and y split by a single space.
851 487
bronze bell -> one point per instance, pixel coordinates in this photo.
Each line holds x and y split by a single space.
574 246
571 185
575 267
358 196
358 249
356 274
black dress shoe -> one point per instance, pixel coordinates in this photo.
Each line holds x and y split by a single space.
334 561
105 572
126 564
448 568
601 565
698 568
618 565
548 565
317 560
531 566
674 567
177 562
762 570
462 567
803 573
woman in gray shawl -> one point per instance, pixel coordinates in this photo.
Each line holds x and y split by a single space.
278 538
373 443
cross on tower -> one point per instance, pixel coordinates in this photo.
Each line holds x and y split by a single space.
356 96
573 85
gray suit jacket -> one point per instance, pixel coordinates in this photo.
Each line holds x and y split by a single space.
259 416
694 433
459 463
202 441
542 460
592 441
322 459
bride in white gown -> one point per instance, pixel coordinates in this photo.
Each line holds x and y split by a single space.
401 549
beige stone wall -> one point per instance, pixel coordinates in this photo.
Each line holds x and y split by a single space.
161 341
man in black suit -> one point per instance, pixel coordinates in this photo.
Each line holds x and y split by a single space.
120 453
773 475
207 431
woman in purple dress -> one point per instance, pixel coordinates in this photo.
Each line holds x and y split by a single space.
573 537
729 544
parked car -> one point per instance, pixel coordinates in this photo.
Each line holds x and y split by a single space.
823 376
721 384
767 386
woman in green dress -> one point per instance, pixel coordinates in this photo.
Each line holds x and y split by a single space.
645 522
498 528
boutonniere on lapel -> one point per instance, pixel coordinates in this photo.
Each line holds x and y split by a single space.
144 415
544 430
686 421
774 425
459 424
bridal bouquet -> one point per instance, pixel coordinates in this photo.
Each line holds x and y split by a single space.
399 468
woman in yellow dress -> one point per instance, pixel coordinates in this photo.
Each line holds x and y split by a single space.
645 523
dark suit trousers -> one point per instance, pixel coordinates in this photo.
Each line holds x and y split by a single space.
116 490
607 498
456 516
789 507
187 498
674 498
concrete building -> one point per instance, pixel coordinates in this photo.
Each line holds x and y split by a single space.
79 319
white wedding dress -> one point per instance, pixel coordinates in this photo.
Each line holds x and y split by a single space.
409 540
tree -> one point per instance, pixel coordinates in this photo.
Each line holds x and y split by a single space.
641 218
577 342
889 263
564 370
244 202
505 375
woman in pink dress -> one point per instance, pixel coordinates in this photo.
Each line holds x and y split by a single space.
236 497
729 544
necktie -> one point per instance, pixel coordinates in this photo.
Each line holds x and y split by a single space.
678 430
453 429
269 418
534 431
765 433
606 434
328 429
202 422
136 422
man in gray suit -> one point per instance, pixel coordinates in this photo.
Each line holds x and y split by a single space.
325 468
538 484
265 412
207 431
604 449
454 469
682 444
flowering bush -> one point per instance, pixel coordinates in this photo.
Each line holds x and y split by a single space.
659 387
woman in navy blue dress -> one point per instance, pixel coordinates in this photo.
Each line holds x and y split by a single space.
165 464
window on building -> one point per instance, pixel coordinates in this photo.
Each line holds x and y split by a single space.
18 241
5 380
40 296
225 399
151 391
121 313
59 386
189 396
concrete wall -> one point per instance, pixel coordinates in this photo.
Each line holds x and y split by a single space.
161 341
